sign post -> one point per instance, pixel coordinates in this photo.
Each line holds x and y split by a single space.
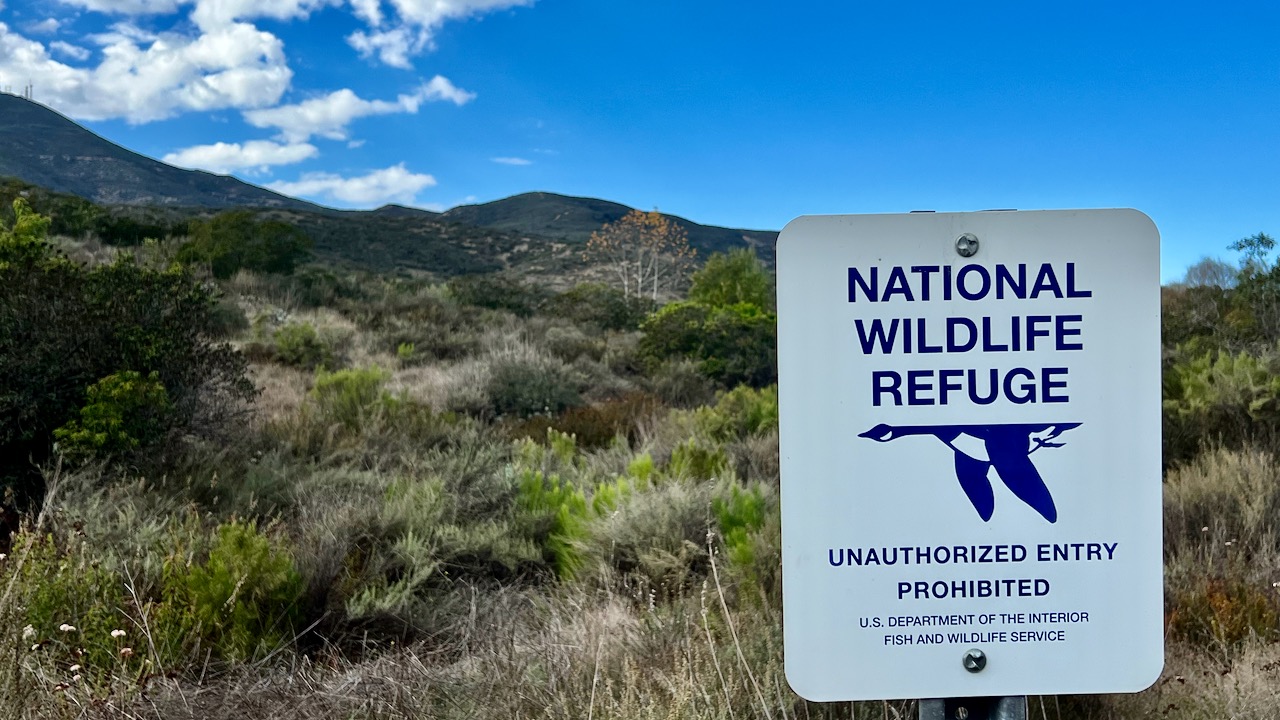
970 445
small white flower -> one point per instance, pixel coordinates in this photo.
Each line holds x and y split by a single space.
28 632
1204 529
117 634
2 557
75 678
67 628
35 647
75 668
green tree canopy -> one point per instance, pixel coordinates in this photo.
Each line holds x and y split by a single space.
731 278
64 328
236 239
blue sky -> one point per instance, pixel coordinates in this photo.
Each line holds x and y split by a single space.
742 114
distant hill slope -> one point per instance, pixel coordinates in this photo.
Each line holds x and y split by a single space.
573 219
42 147
539 233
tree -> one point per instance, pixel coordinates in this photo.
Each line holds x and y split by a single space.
731 278
236 239
72 336
645 251
1211 272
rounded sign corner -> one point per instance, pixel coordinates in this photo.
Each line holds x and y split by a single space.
798 683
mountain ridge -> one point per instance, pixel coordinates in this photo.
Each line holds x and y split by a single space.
40 146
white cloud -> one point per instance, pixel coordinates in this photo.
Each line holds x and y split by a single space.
393 47
208 14
72 51
393 184
418 20
145 76
512 161
253 155
48 26
329 116
128 7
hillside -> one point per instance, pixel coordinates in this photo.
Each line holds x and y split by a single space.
573 219
44 148
536 233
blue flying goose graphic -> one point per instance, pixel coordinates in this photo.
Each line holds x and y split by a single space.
978 448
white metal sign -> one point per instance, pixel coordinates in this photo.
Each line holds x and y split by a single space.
970 439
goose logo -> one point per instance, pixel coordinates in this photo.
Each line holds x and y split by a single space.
979 448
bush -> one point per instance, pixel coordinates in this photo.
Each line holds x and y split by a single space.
497 291
349 397
64 327
299 344
601 305
739 413
244 597
732 345
236 239
733 278
594 426
124 412
528 383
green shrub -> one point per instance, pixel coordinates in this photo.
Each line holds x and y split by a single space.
1230 398
227 318
740 412
602 305
558 515
123 412
350 397
679 383
497 291
527 384
732 278
739 515
236 239
733 345
69 588
244 597
693 460
299 344
66 327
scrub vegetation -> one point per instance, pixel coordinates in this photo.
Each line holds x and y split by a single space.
239 484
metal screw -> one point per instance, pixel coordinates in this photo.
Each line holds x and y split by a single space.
962 713
967 245
975 660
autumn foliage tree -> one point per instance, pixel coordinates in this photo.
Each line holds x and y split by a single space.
646 253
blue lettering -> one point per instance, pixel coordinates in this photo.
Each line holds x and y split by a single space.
1004 281
924 271
878 335
924 347
968 271
918 382
1048 385
871 290
886 381
1072 292
1033 333
954 345
1065 332
1028 389
898 285
1046 281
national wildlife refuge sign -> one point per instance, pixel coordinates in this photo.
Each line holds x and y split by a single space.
970 441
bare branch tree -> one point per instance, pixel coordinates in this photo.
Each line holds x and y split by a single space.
645 251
